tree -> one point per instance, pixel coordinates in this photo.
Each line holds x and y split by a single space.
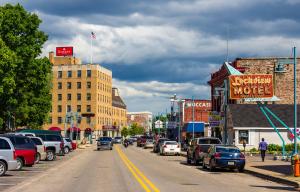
20 32
124 132
135 129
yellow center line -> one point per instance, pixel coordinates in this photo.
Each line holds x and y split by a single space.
124 158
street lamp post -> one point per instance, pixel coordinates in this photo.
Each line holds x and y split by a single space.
193 110
295 101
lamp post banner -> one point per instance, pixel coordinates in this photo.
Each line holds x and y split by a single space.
251 86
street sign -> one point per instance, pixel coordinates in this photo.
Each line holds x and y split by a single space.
158 124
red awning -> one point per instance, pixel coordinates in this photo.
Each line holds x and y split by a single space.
54 129
74 129
88 130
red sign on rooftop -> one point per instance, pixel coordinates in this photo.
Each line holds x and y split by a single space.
64 51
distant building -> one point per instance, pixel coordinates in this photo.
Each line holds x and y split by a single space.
84 88
143 119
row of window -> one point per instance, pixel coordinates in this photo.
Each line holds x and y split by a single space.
101 86
69 73
69 97
101 109
101 120
69 108
88 74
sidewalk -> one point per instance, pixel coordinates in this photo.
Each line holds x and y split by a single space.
277 171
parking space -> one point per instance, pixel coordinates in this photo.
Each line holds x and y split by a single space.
13 178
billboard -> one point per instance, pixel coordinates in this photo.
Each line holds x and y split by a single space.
64 51
251 86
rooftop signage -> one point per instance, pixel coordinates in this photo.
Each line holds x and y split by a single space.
64 51
251 86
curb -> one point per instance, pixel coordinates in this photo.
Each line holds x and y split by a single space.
273 178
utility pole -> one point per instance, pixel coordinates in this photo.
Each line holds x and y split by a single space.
193 116
295 101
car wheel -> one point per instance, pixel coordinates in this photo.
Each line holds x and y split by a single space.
3 168
211 167
98 149
37 158
111 148
50 155
241 169
188 160
20 163
66 150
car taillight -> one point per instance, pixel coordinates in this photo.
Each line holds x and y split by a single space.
14 155
44 148
177 145
165 146
217 155
61 145
242 156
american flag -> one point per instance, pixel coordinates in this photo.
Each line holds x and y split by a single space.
93 35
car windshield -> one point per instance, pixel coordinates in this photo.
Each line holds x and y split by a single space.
105 139
36 141
209 141
171 143
227 150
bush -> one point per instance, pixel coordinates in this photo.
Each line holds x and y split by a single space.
274 147
253 150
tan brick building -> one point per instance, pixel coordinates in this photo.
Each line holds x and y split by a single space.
119 110
82 88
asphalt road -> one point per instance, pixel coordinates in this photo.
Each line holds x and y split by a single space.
135 169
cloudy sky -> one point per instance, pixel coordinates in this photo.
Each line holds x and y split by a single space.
157 48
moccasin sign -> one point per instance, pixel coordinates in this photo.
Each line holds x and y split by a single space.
251 86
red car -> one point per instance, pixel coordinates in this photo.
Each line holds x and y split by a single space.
25 150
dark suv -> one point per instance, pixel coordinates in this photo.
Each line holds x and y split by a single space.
199 147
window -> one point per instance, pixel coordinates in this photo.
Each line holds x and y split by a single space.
36 141
88 108
69 73
88 85
59 120
59 85
4 144
69 96
78 85
243 135
78 97
88 73
78 108
88 120
69 108
88 96
59 74
69 85
78 120
79 73
59 109
59 97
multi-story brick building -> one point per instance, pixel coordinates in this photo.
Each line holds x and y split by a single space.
119 110
250 127
82 88
200 107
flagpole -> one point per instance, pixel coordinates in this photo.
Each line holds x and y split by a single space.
91 49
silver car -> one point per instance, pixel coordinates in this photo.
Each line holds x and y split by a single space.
149 143
7 156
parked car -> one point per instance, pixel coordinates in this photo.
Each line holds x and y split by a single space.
41 149
67 145
158 143
142 140
117 140
133 138
170 147
25 134
7 156
198 148
224 157
149 143
104 143
25 150
54 145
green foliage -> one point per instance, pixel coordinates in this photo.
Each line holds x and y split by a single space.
124 132
135 129
253 150
274 147
30 77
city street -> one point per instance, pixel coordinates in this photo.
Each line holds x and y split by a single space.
136 169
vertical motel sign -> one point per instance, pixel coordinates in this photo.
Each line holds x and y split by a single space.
251 86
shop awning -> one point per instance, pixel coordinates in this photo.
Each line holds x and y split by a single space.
198 127
74 129
54 129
